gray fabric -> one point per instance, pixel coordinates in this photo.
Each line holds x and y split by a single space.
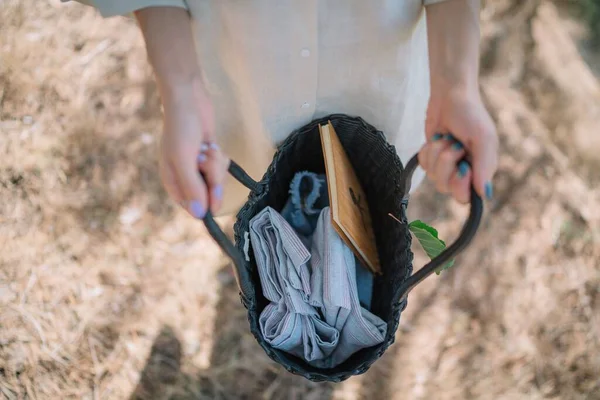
308 196
314 312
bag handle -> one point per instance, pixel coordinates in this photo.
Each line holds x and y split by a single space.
242 275
464 239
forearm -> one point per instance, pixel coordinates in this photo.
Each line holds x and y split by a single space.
170 46
453 39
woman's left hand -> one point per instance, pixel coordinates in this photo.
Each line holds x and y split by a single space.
458 125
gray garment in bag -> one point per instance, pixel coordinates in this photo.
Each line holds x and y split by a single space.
314 311
308 196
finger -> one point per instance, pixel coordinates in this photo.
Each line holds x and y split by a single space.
423 155
446 165
170 183
191 183
435 149
207 115
485 161
460 183
213 165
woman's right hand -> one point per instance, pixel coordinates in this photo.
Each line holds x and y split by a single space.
192 166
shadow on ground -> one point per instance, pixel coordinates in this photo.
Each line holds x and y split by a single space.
237 369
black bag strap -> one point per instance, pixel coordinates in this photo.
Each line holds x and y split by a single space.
242 274
464 239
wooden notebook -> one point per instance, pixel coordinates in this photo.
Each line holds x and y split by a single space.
349 208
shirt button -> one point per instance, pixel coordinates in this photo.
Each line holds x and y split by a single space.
305 53
305 105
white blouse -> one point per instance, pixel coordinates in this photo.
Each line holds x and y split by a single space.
272 66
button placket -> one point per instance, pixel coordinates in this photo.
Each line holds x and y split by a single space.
307 60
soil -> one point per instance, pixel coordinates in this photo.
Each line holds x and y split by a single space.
109 291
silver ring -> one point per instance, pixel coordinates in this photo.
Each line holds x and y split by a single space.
204 147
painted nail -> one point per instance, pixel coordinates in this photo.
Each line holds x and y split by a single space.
457 146
201 158
197 209
214 146
449 136
203 147
489 190
218 192
463 168
436 137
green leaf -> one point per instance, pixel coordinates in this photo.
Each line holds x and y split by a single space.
429 240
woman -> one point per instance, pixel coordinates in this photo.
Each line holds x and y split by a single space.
235 77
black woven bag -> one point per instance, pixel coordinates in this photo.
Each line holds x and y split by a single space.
386 184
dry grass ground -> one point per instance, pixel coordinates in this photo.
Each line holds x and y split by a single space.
107 291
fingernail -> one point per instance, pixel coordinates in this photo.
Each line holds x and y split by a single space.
457 146
201 158
436 137
203 147
214 146
449 136
463 168
197 209
489 190
218 192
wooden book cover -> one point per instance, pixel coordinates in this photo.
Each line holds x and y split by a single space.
349 208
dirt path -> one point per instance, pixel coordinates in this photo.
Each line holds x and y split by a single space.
108 292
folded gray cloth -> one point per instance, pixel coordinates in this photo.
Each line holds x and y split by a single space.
308 196
314 312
